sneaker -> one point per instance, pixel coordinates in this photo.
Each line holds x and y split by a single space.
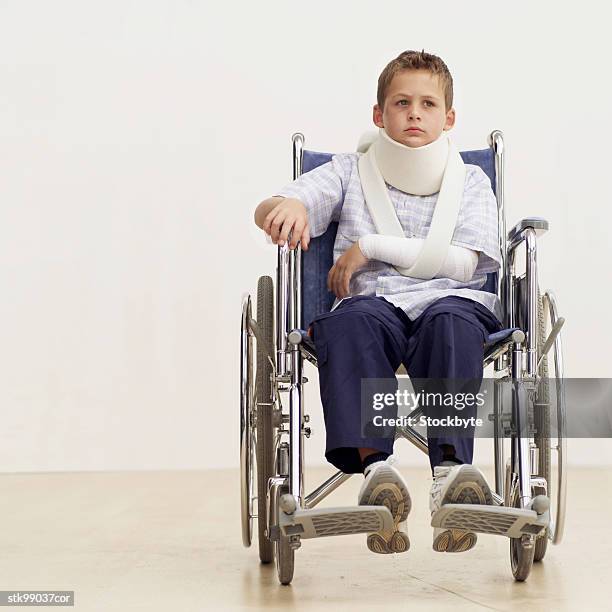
384 486
457 484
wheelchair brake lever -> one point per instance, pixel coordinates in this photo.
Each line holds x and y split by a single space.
554 332
259 336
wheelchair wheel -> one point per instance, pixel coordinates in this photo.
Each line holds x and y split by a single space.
247 439
521 552
264 413
551 468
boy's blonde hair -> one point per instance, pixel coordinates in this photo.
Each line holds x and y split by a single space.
416 60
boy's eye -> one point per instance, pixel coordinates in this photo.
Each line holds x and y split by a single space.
401 102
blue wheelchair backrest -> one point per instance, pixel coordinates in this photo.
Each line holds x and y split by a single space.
319 258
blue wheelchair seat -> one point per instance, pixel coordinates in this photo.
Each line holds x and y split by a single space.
319 258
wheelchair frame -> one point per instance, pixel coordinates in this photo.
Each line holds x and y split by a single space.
518 357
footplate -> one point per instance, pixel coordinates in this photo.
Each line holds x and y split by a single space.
497 520
322 522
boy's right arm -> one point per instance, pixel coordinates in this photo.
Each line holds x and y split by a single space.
278 216
306 206
261 212
277 222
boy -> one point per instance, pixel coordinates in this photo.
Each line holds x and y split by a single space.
434 324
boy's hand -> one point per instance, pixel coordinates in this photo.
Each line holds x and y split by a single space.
339 276
288 216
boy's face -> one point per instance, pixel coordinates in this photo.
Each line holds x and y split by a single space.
415 99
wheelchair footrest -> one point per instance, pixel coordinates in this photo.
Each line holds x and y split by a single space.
321 522
497 520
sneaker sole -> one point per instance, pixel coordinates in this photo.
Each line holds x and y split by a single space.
454 540
387 490
468 488
397 543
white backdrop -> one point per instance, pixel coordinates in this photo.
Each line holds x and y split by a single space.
136 139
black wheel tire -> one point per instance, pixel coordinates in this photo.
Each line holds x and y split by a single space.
264 429
542 424
284 554
521 558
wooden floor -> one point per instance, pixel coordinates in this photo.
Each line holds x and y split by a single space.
171 541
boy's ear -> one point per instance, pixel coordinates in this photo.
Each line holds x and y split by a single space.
377 116
450 119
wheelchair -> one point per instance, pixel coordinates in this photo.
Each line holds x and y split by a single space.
530 484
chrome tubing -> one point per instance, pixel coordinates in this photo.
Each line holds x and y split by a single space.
291 318
412 436
520 449
282 305
327 487
288 279
510 289
296 438
298 150
532 302
295 284
498 438
528 236
295 261
496 142
520 440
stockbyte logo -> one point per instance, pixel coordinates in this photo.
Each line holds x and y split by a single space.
426 421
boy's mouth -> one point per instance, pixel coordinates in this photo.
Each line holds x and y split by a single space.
413 130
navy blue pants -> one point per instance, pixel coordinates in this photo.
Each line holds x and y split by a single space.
368 337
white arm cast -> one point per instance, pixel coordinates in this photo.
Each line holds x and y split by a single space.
459 265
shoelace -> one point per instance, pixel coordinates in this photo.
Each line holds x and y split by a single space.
390 460
436 487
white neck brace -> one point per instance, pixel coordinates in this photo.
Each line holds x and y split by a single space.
415 170
424 170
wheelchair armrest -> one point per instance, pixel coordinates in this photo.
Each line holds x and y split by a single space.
539 224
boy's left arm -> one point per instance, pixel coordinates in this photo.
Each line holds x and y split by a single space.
459 263
474 245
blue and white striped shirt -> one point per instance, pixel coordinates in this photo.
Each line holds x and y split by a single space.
332 192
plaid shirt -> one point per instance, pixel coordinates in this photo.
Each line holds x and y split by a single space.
332 192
